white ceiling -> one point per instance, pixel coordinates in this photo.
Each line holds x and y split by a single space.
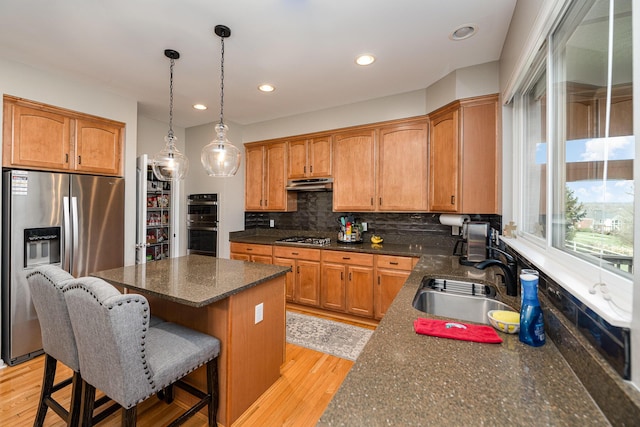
306 48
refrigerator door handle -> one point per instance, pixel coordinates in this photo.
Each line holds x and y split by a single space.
74 222
66 256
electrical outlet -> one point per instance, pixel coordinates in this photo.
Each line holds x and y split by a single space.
259 313
365 226
272 223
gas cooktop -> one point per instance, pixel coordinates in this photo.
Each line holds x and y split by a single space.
302 240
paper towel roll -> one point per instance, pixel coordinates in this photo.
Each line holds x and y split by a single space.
454 220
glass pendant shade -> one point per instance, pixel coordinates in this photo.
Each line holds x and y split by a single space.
170 164
220 157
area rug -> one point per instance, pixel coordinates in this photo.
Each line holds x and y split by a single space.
335 338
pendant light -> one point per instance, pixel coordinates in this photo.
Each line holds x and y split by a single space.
220 157
170 164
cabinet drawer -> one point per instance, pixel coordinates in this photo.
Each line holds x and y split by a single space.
296 253
248 248
394 262
351 258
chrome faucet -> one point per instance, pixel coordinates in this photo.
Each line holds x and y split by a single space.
509 269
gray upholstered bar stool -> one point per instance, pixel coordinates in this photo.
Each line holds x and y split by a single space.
128 360
58 342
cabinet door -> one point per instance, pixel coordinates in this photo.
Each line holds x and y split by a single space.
479 165
387 287
333 287
276 195
36 138
308 283
297 159
262 259
319 155
402 168
444 160
240 257
353 172
360 291
290 276
254 174
98 148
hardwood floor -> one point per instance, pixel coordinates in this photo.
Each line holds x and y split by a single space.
298 398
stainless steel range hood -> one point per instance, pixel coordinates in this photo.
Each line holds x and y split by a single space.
310 184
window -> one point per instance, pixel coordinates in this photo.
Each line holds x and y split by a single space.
576 149
593 134
535 157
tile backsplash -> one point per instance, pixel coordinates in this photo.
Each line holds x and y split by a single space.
315 213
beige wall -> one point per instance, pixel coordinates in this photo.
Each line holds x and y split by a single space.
482 79
26 82
230 190
376 110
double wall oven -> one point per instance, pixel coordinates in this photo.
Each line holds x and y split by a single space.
202 224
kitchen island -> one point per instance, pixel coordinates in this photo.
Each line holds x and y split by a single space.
405 379
222 298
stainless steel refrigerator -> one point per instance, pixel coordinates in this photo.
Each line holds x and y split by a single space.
74 221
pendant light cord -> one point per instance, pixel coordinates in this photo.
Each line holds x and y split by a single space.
173 61
222 80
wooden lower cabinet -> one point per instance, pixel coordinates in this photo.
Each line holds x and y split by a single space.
391 273
354 283
303 281
347 282
251 252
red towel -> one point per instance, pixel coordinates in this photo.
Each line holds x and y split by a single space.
456 330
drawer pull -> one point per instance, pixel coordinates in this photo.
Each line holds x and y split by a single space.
249 249
346 257
294 253
393 263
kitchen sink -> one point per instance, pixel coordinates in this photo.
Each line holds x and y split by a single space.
457 299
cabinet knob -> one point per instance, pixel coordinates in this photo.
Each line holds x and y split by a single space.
66 158
79 160
311 169
453 200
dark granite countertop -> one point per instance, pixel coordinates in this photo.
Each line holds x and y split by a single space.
405 379
194 280
393 246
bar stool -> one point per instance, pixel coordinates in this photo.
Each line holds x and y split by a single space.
46 283
59 344
127 359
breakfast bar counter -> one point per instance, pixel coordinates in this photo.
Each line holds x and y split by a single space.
222 298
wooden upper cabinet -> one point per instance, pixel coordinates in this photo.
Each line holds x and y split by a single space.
36 138
254 174
402 168
444 162
354 171
98 147
276 194
310 158
480 155
464 170
265 176
39 136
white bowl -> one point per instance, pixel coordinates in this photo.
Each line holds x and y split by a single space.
497 320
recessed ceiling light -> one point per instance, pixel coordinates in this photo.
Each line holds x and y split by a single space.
266 88
365 59
199 106
463 32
